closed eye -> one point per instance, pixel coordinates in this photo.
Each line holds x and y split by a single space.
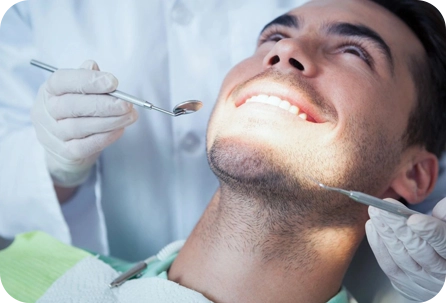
358 50
271 34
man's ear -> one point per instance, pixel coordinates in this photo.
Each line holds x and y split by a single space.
417 175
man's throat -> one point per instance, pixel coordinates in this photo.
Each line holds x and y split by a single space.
237 254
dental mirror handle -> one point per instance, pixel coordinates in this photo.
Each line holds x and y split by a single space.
116 93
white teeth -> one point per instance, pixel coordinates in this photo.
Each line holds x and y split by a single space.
285 105
276 101
294 109
303 116
261 98
273 100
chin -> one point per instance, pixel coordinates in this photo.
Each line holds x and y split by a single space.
248 164
255 171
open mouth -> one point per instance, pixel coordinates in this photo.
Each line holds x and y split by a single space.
282 104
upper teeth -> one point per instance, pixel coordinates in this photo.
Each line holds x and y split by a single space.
276 101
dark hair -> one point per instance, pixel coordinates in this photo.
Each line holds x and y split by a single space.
427 121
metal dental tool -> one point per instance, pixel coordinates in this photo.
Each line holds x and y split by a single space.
136 270
370 200
187 107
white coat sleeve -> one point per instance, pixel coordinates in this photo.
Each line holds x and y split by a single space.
27 197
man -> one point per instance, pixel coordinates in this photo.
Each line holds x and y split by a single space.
357 85
329 94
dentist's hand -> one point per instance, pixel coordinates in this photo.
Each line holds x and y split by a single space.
75 120
411 252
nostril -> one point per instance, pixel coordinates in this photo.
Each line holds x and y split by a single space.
274 60
296 64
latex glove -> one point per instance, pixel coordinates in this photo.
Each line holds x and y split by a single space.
75 120
411 252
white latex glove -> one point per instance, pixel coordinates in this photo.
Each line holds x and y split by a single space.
75 120
411 252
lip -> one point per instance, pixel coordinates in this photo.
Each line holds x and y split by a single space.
295 97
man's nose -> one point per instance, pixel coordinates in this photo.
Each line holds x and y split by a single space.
288 55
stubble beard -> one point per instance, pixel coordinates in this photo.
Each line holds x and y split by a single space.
257 173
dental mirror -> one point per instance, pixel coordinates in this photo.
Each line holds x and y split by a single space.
186 107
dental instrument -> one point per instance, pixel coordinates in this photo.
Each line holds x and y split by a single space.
140 266
186 107
370 200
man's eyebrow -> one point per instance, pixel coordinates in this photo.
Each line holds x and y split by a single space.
285 20
358 30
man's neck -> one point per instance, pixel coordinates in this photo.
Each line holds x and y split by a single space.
236 254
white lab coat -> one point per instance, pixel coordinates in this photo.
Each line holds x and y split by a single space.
151 186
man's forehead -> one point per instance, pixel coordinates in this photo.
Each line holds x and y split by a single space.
364 11
352 6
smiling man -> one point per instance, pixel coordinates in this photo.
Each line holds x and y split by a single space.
332 92
342 91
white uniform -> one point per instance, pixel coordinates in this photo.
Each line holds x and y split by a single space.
151 186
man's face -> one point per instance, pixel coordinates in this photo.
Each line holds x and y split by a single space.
343 66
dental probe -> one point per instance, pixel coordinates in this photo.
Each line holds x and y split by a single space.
187 107
371 201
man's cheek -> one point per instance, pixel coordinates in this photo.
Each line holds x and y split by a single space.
216 121
243 71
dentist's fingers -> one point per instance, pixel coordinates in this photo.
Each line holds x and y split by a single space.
75 120
439 210
86 147
432 229
90 64
68 128
80 81
400 280
397 237
75 105
382 253
419 249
